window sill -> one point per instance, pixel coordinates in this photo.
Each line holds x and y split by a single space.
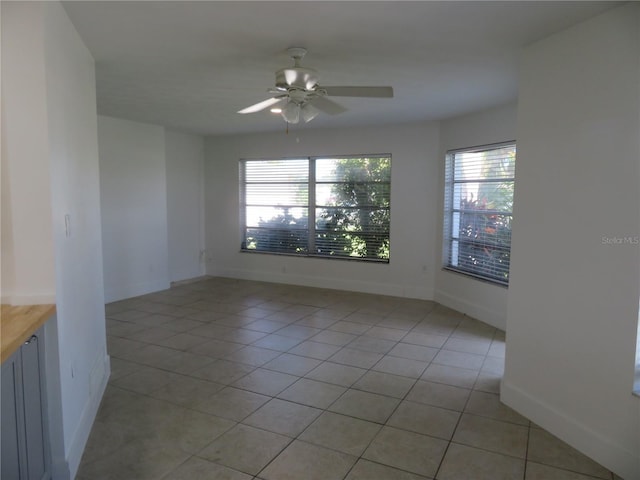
323 257
475 277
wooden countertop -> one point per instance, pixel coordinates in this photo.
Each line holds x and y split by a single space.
17 324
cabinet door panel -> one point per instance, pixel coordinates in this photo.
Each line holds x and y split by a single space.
34 427
11 438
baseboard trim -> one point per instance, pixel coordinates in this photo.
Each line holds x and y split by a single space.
103 370
603 450
187 281
491 317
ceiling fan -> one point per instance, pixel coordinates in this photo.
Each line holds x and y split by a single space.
297 93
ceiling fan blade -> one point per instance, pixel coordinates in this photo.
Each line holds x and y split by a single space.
374 92
327 106
262 105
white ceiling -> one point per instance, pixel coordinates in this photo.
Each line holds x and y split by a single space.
192 65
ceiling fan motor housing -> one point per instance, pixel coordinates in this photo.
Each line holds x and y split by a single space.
296 77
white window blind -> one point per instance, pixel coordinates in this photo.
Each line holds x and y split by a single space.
346 198
479 186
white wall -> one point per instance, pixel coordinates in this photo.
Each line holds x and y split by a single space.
185 204
27 237
414 209
573 299
133 192
49 130
481 300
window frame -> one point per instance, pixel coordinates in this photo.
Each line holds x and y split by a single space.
312 206
448 238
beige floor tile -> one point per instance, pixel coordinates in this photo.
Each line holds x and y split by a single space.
312 393
366 470
547 449
236 322
215 348
316 320
428 328
184 362
292 364
142 353
266 326
302 460
493 435
356 358
343 375
478 346
536 471
364 318
365 405
232 403
493 365
399 322
488 382
407 451
334 338
187 391
338 432
118 328
425 419
439 395
242 335
146 380
223 371
350 327
121 368
182 324
401 366
135 460
458 377
301 332
414 352
190 430
197 468
251 355
459 359
425 339
489 405
387 333
461 460
151 334
211 326
212 330
497 348
245 448
181 341
372 344
384 384
265 382
283 417
320 351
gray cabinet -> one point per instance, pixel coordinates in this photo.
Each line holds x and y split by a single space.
24 453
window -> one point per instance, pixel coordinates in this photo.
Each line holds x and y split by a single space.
478 211
347 198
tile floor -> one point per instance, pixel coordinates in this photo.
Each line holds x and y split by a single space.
235 380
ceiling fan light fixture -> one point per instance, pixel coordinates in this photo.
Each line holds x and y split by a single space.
308 112
291 112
